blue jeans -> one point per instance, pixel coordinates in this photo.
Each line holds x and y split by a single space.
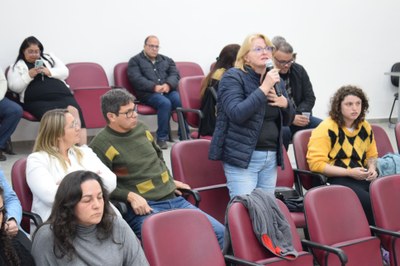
165 104
261 173
10 114
136 221
288 132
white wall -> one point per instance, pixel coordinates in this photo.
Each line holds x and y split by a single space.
339 42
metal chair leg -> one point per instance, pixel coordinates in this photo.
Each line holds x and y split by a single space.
396 97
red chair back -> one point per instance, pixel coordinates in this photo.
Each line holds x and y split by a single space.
397 136
385 198
21 188
212 65
382 140
190 164
86 74
335 217
180 237
121 77
89 82
188 69
286 178
189 92
121 80
246 246
300 147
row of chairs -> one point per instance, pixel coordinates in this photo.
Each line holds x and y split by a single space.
154 232
190 164
330 218
207 177
185 237
339 232
88 81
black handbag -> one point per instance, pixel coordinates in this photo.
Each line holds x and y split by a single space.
291 198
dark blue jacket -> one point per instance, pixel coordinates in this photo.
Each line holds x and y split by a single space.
240 115
144 75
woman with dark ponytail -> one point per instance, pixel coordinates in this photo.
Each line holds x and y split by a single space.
225 60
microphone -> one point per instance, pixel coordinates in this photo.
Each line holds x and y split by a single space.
269 66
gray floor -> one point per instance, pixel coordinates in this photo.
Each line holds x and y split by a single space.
24 148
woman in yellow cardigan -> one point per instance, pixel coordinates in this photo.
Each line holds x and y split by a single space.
343 147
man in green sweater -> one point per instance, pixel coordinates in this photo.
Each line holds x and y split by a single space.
127 147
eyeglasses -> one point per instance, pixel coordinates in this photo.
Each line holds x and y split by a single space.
75 124
266 49
130 112
155 47
284 63
33 52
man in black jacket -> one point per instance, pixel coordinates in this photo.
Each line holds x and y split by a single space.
155 79
298 87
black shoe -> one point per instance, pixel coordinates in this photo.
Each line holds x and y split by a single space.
162 144
2 156
9 148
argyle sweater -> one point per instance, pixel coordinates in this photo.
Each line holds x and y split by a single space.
136 160
336 146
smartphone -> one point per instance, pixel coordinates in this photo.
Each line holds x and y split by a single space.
38 63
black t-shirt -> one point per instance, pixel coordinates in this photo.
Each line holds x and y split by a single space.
269 135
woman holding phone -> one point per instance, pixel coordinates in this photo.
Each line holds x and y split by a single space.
38 78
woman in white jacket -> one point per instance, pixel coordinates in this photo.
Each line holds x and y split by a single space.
38 78
55 155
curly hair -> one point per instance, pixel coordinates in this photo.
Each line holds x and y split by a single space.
63 221
336 101
6 246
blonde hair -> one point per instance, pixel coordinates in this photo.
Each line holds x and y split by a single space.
247 46
50 130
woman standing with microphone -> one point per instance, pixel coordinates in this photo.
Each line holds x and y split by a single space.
247 136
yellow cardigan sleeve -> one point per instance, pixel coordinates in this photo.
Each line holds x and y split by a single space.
372 151
319 147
